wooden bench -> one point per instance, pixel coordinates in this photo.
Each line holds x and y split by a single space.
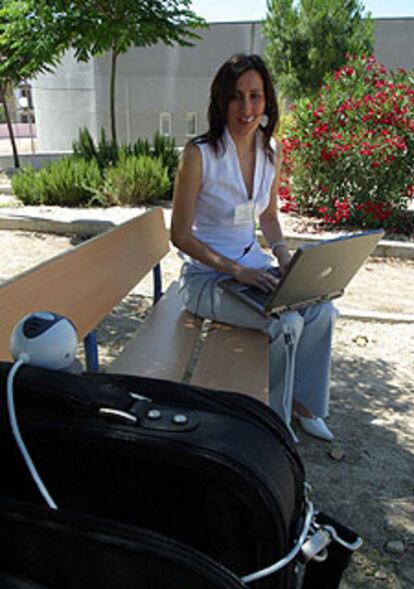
85 283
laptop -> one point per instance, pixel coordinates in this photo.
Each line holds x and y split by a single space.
317 272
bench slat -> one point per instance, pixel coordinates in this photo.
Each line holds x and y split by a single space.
234 359
164 343
85 283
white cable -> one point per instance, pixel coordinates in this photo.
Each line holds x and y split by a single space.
291 555
23 358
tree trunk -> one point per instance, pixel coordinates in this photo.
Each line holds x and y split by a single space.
3 100
112 92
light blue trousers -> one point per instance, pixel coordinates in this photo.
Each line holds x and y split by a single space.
300 342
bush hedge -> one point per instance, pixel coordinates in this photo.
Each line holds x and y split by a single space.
349 156
134 180
69 182
103 174
27 186
107 152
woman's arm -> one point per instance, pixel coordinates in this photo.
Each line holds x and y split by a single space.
186 189
269 221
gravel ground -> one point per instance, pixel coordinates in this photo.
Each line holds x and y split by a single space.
365 478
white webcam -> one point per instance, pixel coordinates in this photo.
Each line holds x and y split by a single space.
45 339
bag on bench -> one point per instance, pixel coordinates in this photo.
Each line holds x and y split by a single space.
215 470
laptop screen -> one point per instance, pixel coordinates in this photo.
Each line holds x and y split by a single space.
322 270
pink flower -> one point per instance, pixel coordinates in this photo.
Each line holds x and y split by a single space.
321 130
366 151
328 155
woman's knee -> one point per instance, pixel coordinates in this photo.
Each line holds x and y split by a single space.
195 292
323 314
289 324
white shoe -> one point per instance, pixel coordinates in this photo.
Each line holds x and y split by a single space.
315 426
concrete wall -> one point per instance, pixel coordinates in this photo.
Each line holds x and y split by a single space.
64 101
394 42
35 160
164 79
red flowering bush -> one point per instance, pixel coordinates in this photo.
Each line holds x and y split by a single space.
349 158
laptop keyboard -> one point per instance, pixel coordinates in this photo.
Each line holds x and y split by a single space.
258 295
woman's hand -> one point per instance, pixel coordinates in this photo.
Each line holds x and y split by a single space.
261 279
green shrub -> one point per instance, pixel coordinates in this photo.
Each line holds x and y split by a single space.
286 122
27 186
108 154
69 182
350 153
135 180
105 153
141 147
84 147
165 149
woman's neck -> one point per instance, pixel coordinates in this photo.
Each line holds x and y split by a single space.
244 145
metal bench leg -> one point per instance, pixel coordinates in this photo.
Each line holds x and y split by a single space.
91 352
156 273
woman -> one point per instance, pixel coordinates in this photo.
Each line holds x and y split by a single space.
227 179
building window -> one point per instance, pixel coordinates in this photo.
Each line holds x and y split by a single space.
26 94
191 124
24 103
166 124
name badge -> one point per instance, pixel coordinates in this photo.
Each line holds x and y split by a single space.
243 213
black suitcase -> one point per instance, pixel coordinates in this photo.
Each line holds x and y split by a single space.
216 471
44 549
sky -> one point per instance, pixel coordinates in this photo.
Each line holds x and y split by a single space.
239 10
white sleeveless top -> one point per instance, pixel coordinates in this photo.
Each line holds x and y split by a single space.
219 221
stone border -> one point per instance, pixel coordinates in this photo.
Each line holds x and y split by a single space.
385 248
42 225
376 316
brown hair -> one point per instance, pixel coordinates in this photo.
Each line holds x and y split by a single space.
222 89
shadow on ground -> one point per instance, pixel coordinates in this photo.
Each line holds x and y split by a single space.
115 330
372 488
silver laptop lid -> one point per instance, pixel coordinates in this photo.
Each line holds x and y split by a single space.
322 270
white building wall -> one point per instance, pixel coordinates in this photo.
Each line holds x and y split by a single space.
394 42
164 79
64 101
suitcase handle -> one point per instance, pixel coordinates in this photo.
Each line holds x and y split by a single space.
291 555
316 536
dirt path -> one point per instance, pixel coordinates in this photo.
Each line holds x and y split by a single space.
371 486
372 415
